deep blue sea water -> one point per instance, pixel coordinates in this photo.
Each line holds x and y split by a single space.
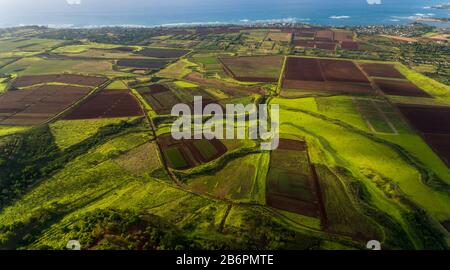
85 13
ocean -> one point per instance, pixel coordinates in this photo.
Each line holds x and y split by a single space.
94 13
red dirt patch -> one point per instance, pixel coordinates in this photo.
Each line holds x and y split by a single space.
434 123
382 70
292 145
400 88
324 75
342 71
303 69
350 45
107 104
428 119
38 104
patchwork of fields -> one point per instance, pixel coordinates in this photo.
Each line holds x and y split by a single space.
85 141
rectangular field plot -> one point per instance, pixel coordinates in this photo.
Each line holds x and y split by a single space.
92 81
254 68
434 124
400 88
236 181
279 36
162 98
163 53
310 74
186 154
378 115
290 182
39 104
143 63
107 104
382 70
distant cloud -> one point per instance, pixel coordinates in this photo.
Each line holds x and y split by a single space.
374 2
74 2
339 17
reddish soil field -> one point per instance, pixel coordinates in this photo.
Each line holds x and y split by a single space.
343 36
428 119
305 34
291 205
107 104
163 53
38 104
434 124
342 71
441 144
91 81
324 35
382 70
350 45
292 145
400 88
324 75
303 69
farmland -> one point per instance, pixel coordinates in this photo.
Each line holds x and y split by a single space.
254 69
324 75
86 150
187 154
38 104
107 104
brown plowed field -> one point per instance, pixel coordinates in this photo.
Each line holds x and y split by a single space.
342 71
107 104
39 104
92 81
400 88
428 119
343 36
434 124
382 70
292 145
303 69
324 75
350 45
290 181
324 35
292 205
441 144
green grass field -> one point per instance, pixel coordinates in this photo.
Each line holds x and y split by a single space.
206 149
39 66
175 158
